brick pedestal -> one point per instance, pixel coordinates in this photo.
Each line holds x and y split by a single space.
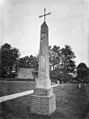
43 102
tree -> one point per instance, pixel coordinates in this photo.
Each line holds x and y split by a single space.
82 73
9 58
67 56
54 56
33 62
24 62
29 62
62 62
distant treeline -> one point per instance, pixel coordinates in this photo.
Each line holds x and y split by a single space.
61 62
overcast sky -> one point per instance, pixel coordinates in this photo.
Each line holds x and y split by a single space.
68 24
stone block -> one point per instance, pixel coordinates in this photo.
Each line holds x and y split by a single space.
43 105
43 92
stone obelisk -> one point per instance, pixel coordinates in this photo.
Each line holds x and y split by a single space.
43 100
43 70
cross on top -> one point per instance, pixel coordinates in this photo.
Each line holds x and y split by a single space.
45 14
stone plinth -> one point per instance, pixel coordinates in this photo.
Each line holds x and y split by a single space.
43 92
43 102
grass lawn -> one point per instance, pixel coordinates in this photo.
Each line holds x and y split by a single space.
72 102
10 87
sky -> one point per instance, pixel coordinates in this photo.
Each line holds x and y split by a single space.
68 24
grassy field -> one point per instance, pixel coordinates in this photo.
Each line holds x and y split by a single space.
10 87
72 102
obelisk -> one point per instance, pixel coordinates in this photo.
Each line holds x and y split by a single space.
43 70
43 100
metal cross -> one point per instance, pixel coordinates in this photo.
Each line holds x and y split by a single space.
44 14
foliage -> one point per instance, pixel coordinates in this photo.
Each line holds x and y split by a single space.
54 56
61 62
58 74
67 56
29 62
9 58
82 73
24 62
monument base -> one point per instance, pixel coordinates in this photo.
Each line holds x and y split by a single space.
43 104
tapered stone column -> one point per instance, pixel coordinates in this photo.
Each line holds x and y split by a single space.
43 80
43 100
